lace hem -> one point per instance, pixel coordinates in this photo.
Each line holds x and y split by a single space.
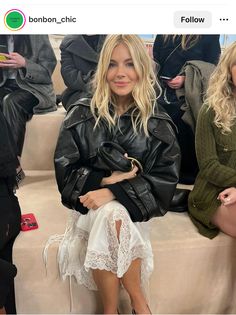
75 259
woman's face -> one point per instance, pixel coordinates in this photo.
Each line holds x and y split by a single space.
121 74
233 73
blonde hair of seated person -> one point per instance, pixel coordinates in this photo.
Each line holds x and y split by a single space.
221 94
144 94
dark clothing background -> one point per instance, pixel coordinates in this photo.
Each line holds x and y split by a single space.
17 106
8 159
10 216
7 273
79 58
207 48
9 228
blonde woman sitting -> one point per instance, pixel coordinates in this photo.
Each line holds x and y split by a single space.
212 203
117 164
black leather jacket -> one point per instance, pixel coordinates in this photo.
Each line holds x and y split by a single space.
145 196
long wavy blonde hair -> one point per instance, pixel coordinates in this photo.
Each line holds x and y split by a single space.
220 95
187 41
144 93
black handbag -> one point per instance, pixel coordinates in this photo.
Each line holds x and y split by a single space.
112 157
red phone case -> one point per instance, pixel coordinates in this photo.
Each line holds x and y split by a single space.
28 222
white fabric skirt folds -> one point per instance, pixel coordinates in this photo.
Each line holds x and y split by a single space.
91 242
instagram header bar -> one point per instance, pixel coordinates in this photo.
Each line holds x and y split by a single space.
114 18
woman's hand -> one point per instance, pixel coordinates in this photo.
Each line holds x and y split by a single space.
228 196
14 61
177 82
118 176
96 198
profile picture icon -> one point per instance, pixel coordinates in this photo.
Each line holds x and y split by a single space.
14 19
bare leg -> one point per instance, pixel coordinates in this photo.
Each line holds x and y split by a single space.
108 287
225 219
132 283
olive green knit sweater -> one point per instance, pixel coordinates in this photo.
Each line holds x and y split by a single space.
216 154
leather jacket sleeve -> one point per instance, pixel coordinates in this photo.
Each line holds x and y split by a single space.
149 194
73 179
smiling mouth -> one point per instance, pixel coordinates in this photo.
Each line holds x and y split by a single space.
121 83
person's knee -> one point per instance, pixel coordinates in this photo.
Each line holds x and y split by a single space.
8 104
230 229
8 99
225 220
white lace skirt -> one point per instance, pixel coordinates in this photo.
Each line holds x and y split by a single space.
91 242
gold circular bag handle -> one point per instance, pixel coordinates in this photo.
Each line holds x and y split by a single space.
135 162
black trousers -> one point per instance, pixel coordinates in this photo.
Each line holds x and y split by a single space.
185 136
10 215
17 106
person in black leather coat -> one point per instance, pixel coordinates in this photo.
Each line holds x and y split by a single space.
110 243
10 215
79 58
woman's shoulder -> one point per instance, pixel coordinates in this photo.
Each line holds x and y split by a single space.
79 112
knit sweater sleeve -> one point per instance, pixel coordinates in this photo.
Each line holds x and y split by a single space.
207 154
